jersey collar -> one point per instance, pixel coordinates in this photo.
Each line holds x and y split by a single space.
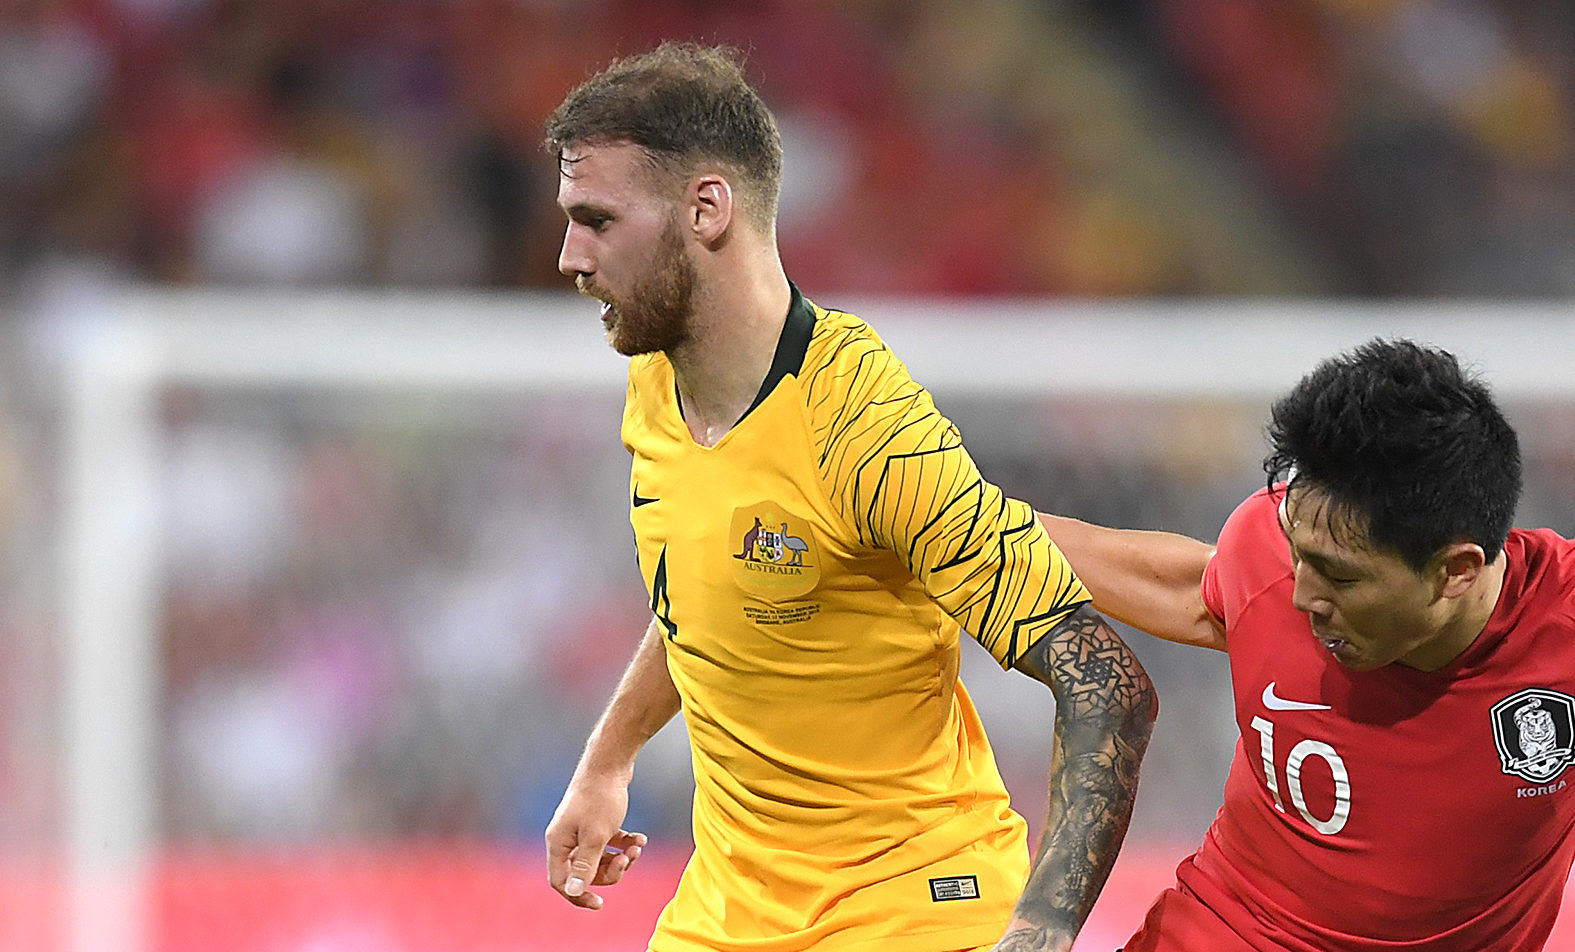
791 346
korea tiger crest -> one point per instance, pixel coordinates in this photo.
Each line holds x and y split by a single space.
1535 733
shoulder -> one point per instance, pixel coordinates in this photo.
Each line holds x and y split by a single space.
1545 544
860 402
1251 556
847 357
1252 533
1547 561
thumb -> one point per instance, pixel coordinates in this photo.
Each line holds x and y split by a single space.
583 861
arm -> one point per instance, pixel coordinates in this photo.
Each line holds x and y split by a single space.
1150 580
589 818
1105 710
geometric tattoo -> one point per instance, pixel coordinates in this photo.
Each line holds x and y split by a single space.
1105 711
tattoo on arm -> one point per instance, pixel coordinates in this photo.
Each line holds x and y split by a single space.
1030 939
1105 710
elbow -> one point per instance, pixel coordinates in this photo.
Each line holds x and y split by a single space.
1133 711
1139 712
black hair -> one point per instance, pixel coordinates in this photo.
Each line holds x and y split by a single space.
682 103
1405 446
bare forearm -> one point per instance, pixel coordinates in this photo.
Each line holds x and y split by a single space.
644 701
1150 580
1105 710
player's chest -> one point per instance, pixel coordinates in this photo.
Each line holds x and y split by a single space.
749 508
1396 748
748 561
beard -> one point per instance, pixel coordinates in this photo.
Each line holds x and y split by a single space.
654 315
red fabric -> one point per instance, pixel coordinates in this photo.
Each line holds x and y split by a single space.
1441 848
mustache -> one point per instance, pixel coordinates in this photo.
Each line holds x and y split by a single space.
590 290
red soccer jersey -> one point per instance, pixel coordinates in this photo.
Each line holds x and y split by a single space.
1386 810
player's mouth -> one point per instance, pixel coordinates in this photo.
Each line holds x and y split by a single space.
608 312
1332 643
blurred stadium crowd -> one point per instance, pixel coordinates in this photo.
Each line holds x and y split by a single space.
1074 147
398 617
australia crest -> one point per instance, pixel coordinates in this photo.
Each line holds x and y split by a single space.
773 551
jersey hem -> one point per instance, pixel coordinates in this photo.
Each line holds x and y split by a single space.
944 940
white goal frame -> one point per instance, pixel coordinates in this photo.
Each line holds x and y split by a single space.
117 359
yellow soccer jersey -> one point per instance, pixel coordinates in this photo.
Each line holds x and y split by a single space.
812 571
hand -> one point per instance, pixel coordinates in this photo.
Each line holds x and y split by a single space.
585 845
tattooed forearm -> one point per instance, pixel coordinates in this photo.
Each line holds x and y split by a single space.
1105 710
1024 940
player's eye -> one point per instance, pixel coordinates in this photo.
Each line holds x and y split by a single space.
595 221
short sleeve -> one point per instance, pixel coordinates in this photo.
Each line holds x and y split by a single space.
899 472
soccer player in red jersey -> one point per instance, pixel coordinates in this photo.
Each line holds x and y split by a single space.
1403 669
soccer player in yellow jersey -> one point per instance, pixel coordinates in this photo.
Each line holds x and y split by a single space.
814 538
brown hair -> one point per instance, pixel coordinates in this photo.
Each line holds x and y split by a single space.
683 104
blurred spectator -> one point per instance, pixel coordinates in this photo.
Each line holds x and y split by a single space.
1428 145
382 624
388 619
314 209
396 143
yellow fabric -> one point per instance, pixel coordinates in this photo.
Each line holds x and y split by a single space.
811 571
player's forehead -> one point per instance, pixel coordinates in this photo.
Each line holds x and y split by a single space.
1314 522
602 163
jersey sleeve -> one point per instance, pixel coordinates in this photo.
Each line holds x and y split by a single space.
899 472
1251 555
1212 597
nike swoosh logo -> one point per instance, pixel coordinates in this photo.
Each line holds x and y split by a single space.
640 500
1274 702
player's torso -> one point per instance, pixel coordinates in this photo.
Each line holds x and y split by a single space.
1375 802
784 634
845 793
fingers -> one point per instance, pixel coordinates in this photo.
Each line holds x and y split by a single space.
566 858
561 838
592 865
584 861
625 842
614 860
622 850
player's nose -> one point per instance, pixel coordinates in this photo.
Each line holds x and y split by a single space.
574 258
1309 594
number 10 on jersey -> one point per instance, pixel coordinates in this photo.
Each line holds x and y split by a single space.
1293 777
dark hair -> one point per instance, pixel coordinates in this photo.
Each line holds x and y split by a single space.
1399 437
683 104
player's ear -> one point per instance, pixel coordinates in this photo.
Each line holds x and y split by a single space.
1458 566
710 207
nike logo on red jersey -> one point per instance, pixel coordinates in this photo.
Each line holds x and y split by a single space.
1274 702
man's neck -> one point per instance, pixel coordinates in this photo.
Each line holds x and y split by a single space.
733 337
1469 621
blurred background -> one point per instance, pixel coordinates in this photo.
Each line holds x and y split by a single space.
332 638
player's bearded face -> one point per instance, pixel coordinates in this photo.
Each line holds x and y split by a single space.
654 314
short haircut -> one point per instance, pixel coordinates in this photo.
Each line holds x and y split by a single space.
685 105
1399 438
